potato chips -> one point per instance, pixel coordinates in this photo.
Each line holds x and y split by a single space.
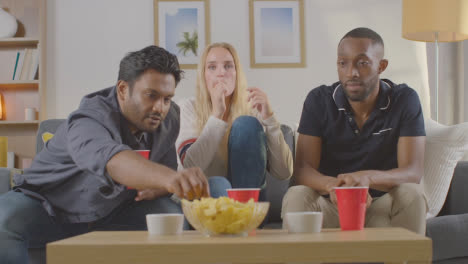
222 215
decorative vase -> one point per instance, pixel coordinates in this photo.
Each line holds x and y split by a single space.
8 24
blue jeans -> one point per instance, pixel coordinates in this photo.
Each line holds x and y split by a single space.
218 186
247 158
25 224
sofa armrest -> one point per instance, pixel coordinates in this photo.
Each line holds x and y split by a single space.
275 188
457 197
5 178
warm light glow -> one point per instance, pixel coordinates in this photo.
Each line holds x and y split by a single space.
423 18
2 106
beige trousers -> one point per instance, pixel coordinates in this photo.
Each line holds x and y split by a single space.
404 206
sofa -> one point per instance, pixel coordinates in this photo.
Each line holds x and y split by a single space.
448 231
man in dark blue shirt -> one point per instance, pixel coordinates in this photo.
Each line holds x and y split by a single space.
361 131
79 181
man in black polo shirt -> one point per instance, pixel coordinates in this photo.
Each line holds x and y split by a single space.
361 131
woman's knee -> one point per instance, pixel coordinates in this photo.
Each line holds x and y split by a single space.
246 133
246 123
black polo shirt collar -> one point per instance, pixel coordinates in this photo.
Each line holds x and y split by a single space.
383 98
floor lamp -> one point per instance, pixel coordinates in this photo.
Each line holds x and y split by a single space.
435 21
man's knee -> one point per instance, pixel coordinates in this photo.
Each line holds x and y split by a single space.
13 248
13 209
299 198
300 191
407 194
166 204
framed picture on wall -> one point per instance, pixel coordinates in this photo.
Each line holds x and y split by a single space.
277 33
182 28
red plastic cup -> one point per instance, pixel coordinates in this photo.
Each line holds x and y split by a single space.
243 194
351 207
144 153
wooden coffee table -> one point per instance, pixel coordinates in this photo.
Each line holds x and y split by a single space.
389 245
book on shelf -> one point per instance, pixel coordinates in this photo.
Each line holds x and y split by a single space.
3 151
26 163
27 64
16 64
34 65
10 160
19 65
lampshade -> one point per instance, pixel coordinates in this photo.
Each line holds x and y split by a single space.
423 18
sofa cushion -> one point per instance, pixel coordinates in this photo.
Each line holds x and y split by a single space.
449 236
45 132
445 146
46 136
4 180
457 197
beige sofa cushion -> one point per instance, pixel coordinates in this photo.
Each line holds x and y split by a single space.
445 146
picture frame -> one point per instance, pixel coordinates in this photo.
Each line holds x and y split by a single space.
182 28
277 37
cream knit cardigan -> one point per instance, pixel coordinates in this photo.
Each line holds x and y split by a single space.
204 152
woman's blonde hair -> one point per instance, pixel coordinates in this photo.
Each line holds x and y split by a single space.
203 105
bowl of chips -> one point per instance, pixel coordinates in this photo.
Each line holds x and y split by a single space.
224 216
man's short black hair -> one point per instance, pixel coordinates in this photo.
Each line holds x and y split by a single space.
134 64
363 32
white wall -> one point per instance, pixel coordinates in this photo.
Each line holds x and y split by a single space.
87 39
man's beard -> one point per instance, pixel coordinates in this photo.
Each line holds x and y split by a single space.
362 95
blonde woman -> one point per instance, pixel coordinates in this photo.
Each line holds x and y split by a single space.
229 130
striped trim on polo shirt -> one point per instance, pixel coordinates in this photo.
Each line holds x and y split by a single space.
334 92
343 109
388 103
183 148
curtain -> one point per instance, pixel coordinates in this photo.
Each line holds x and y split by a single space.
453 81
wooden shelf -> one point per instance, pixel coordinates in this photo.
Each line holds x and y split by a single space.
7 42
35 122
21 94
19 84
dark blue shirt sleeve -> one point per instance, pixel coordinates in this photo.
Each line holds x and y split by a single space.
312 112
412 119
91 146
